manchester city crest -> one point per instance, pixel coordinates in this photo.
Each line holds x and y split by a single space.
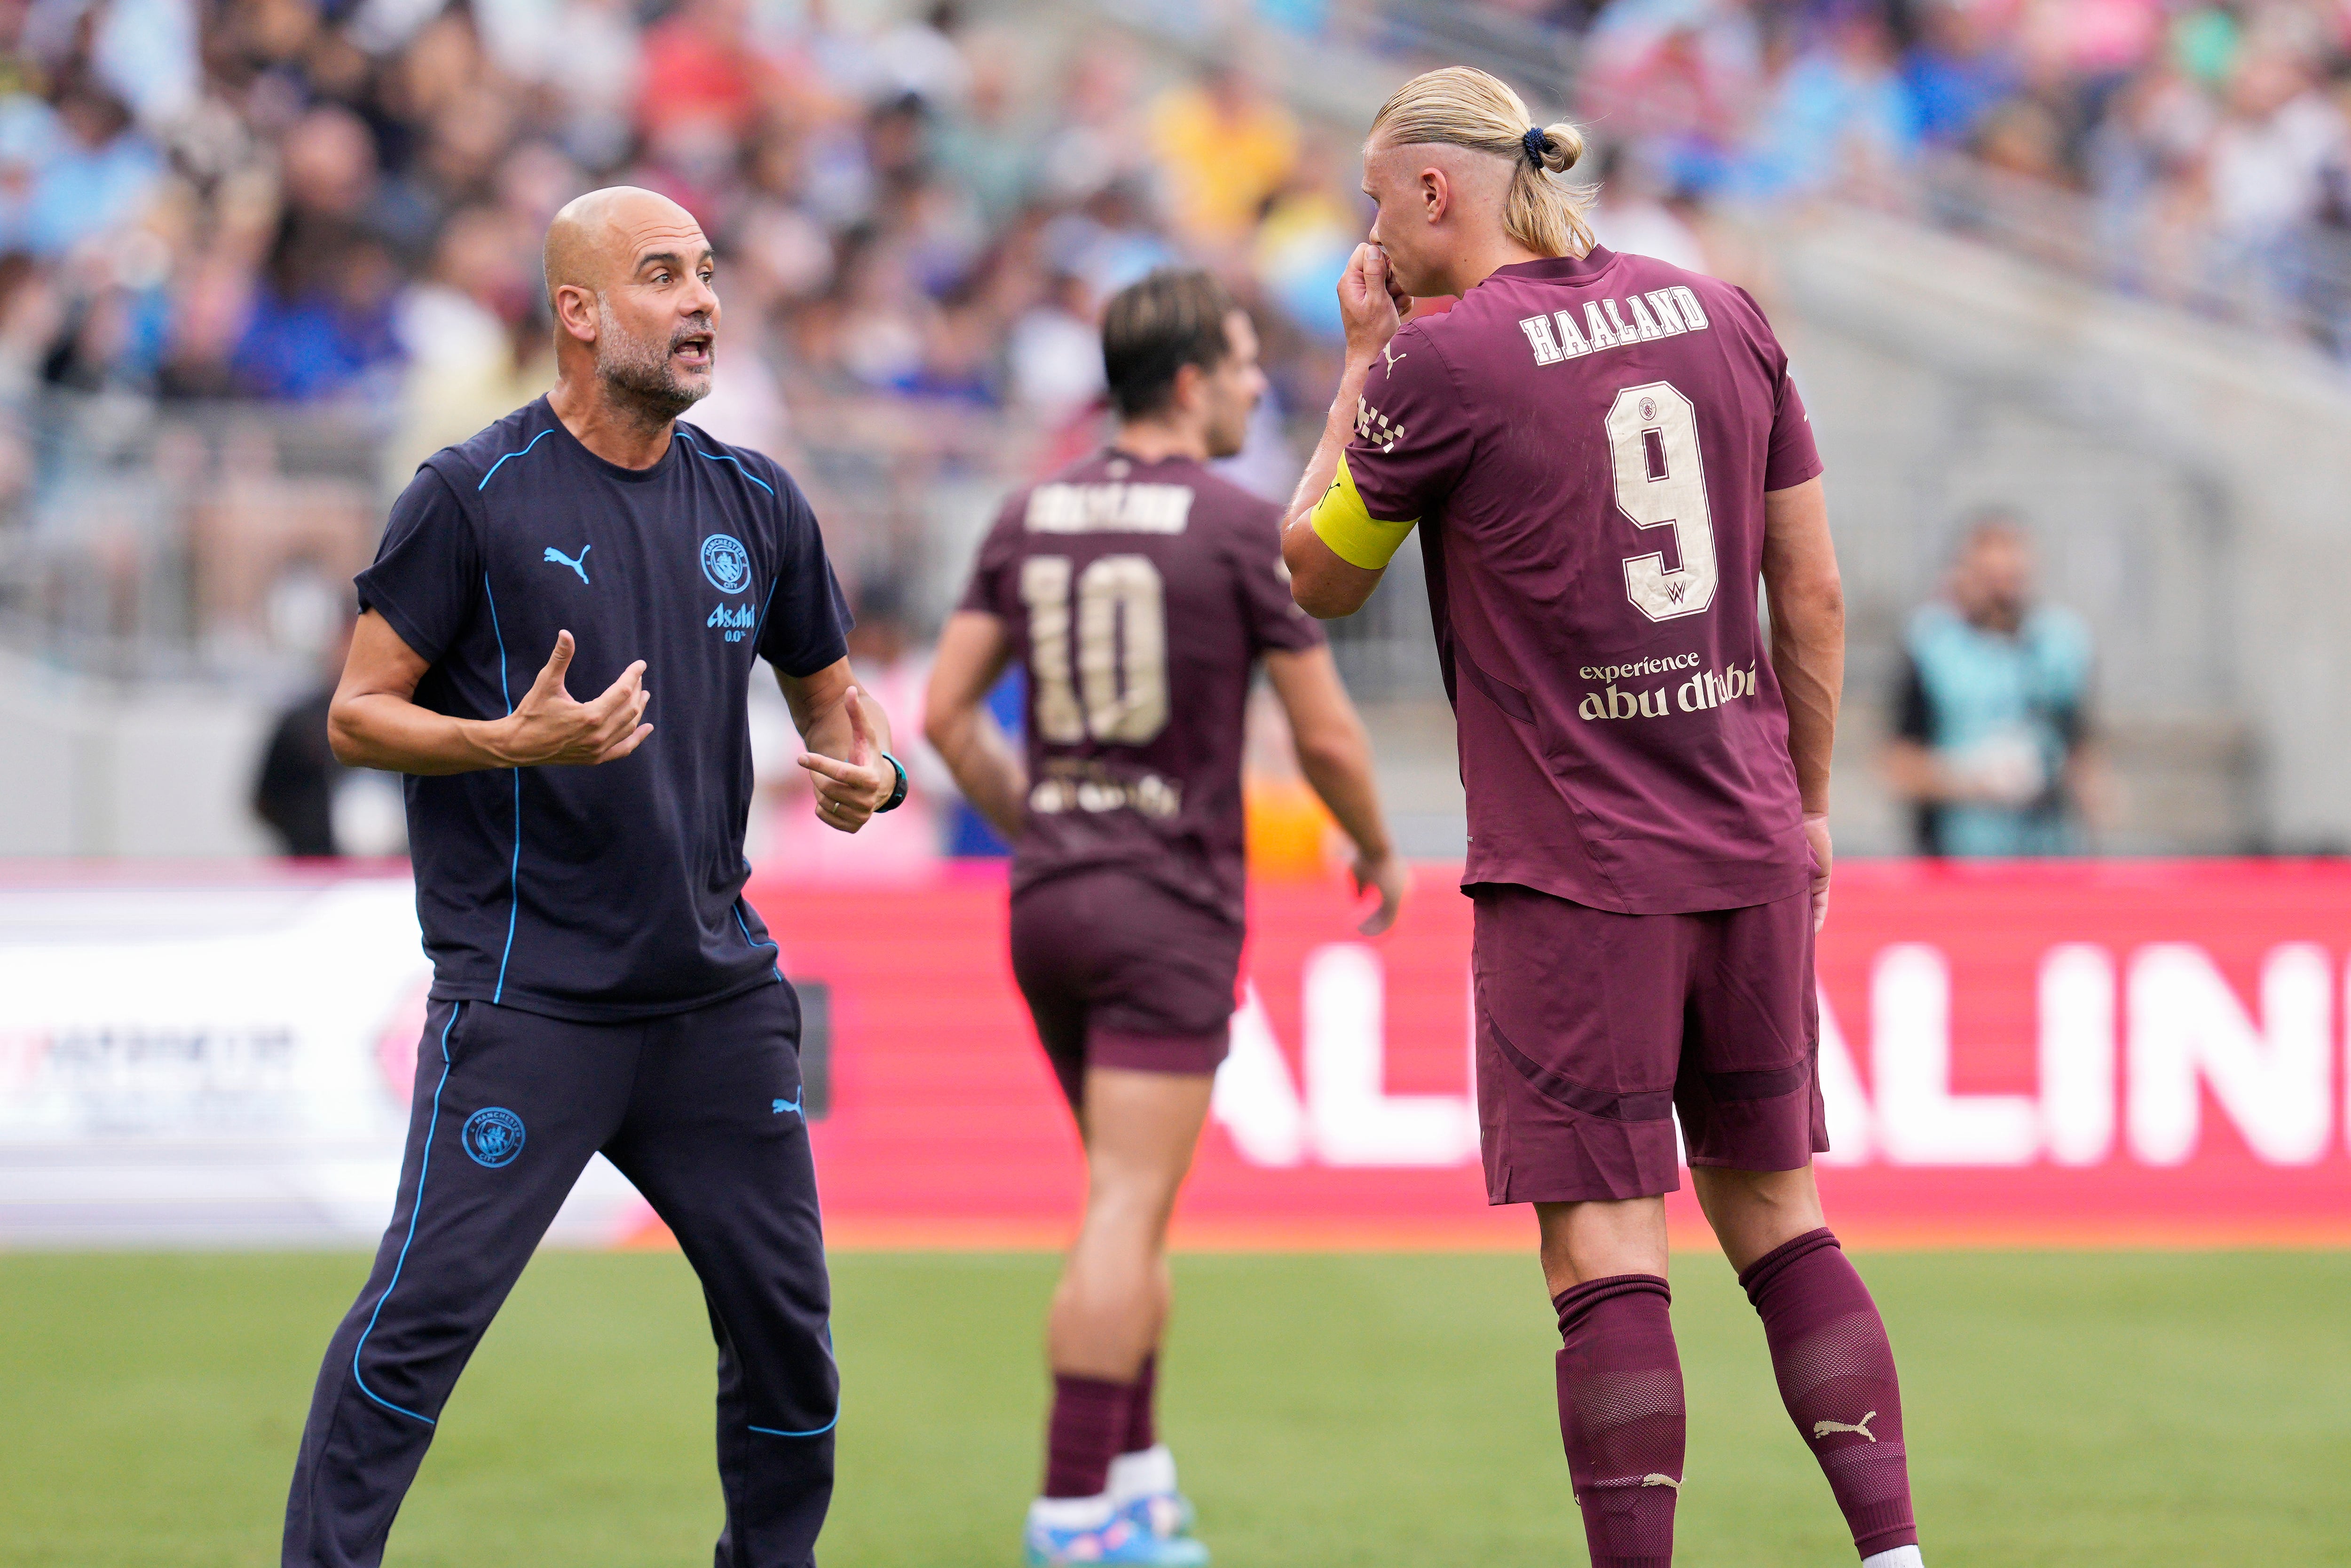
726 563
493 1135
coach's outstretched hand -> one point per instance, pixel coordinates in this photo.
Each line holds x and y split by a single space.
849 790
548 728
1385 876
1369 305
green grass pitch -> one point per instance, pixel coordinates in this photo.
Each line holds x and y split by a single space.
2071 1409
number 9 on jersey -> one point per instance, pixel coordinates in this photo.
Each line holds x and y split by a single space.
1661 484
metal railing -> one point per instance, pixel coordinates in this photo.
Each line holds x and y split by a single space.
146 541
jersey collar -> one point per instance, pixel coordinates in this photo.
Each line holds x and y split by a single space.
669 459
1561 268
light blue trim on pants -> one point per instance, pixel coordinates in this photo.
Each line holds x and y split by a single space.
416 1208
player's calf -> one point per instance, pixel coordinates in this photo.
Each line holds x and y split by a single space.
1835 1370
1621 1416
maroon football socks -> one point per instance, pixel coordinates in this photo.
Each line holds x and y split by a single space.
1621 1416
1087 1430
1835 1369
1141 1426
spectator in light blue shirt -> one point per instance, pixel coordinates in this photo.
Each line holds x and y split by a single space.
80 168
1993 744
1839 116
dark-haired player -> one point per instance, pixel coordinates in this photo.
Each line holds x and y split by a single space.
1140 592
1603 453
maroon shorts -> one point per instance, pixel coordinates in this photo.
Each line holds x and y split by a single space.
1119 972
1594 1028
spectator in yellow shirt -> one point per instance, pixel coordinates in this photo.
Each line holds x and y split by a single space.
1227 147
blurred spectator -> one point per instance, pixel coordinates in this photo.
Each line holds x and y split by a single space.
322 324
1993 743
1226 148
314 805
2269 165
1960 70
1637 212
1837 118
474 332
1055 350
82 168
1678 75
1311 227
1110 240
294 793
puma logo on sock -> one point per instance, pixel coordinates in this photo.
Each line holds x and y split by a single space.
1628 1484
1823 1428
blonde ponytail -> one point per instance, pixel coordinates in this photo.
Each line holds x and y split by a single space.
1464 106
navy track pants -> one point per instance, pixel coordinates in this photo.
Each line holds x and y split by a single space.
701 1111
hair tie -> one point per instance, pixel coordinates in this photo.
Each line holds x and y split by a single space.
1534 141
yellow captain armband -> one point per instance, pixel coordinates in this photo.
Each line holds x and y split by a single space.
1339 520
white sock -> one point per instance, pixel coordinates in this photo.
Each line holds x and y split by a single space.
1147 1472
1900 1557
1072 1512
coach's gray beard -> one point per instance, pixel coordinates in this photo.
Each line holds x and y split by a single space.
639 373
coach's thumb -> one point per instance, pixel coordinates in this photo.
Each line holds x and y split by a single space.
551 677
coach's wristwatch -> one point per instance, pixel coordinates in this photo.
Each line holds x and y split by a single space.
897 796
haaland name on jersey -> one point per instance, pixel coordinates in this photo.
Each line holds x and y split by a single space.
1661 313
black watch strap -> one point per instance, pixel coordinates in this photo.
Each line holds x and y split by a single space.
897 796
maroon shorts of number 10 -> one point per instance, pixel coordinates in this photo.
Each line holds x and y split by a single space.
1594 1028
1119 972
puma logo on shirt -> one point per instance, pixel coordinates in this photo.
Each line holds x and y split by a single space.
1823 1428
577 563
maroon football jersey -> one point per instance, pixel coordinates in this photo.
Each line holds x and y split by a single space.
1139 596
1587 444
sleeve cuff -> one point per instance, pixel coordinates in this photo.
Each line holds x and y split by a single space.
808 665
404 625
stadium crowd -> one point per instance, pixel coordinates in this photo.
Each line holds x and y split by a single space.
263 199
279 200
2207 140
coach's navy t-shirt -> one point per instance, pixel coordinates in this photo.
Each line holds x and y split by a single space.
609 891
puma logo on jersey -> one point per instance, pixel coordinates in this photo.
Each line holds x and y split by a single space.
1643 318
1824 1428
1389 356
577 563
